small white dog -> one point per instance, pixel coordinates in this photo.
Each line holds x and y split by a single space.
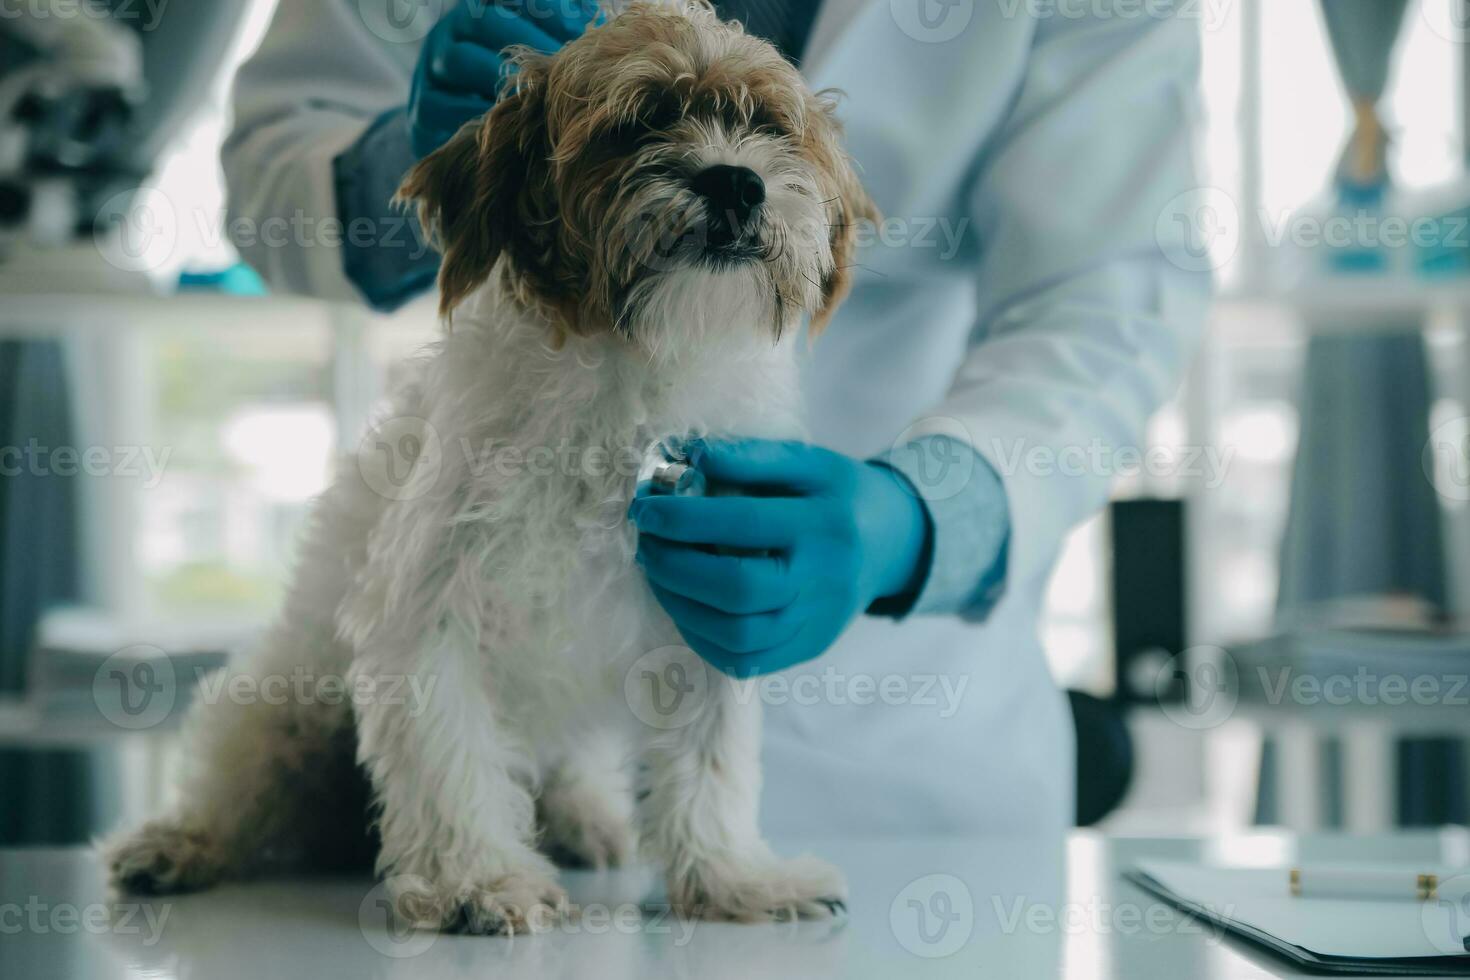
631 240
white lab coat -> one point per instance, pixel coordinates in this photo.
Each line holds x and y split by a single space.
1059 142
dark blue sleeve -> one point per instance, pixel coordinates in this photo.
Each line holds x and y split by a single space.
385 252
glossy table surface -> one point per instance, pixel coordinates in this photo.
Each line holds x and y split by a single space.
919 908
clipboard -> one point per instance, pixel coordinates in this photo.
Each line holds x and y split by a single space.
1346 937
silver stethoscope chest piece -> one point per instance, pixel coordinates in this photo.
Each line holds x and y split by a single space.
667 472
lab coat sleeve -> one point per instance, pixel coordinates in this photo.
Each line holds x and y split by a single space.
1091 301
318 81
970 527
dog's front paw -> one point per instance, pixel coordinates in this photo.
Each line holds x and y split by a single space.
763 889
163 857
512 904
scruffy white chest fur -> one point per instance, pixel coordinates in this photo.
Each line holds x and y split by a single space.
529 458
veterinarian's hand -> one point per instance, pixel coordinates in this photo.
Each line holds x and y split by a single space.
460 66
813 539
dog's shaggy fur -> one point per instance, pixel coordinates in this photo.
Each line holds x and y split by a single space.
503 653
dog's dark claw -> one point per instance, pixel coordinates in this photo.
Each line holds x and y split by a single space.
834 905
140 883
459 923
469 921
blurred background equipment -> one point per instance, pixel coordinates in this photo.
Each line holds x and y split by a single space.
1149 581
1365 524
87 104
67 101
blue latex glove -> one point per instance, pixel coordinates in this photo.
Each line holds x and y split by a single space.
817 538
459 69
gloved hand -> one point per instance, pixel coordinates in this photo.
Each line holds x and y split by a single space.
459 68
818 537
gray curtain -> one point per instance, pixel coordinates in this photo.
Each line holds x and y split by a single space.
47 796
1363 518
38 539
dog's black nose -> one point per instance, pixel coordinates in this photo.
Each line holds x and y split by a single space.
733 194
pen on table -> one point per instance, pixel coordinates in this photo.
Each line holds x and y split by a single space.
1382 885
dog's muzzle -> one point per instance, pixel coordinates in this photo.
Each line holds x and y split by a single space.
733 197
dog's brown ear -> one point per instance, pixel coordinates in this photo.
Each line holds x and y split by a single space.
849 207
851 212
479 194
